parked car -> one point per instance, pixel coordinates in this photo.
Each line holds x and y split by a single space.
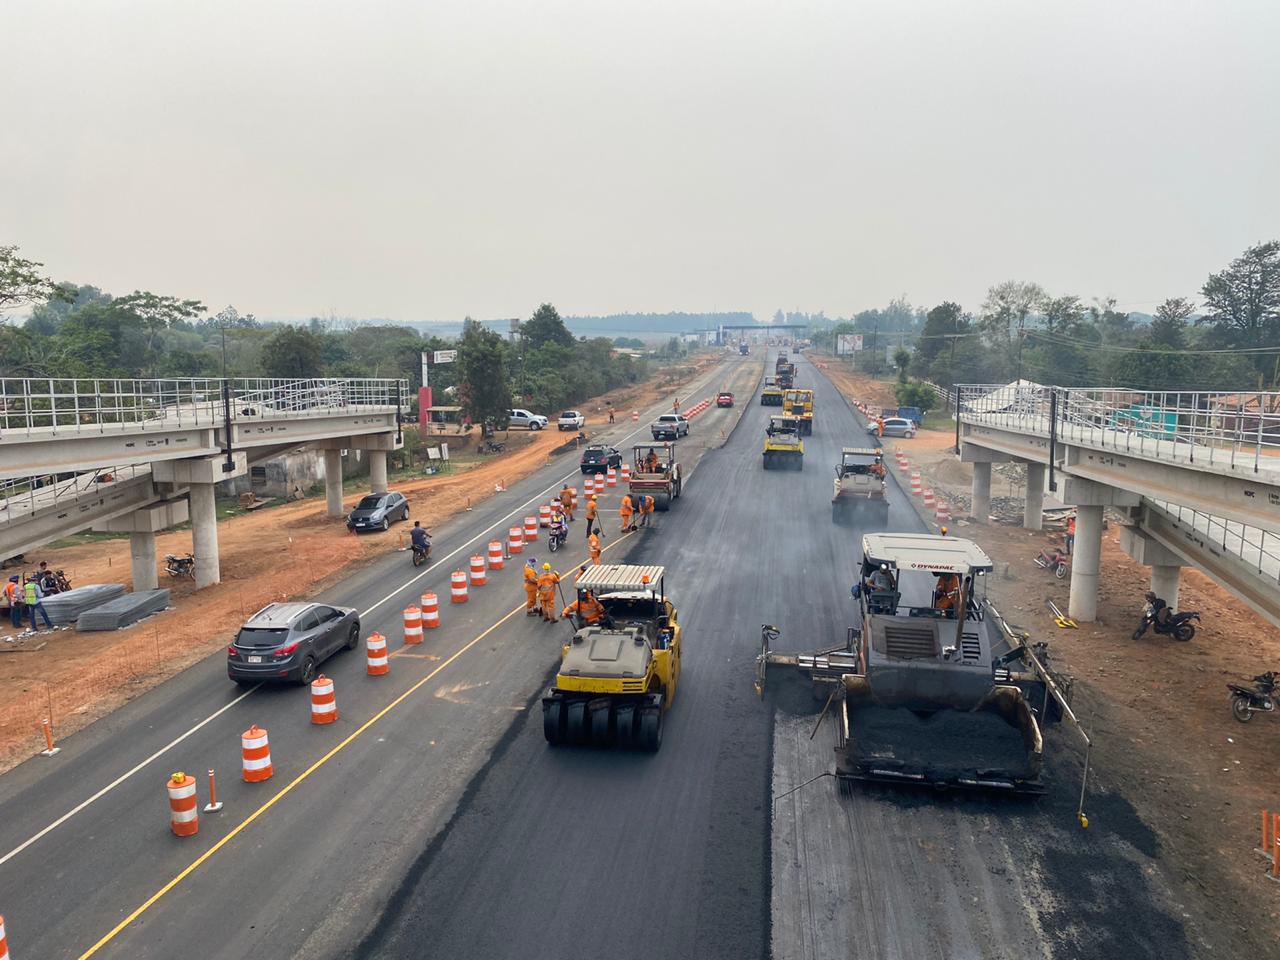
596 459
669 426
523 418
289 641
724 399
378 511
571 420
894 427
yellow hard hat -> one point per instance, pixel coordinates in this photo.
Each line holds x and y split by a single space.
593 496
546 566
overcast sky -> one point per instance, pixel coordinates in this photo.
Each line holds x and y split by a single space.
424 160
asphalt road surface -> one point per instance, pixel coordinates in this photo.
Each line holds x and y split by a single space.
433 820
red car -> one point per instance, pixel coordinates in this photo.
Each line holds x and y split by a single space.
724 399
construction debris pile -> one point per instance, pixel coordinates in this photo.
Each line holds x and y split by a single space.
123 611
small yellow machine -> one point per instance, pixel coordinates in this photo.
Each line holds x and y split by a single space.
771 394
783 447
618 676
798 403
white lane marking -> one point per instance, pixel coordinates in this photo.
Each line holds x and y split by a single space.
213 716
123 777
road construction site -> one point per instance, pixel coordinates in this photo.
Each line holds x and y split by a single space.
433 818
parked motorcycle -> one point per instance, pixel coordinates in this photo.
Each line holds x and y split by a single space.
179 567
492 446
557 536
1179 625
421 554
1058 562
1246 701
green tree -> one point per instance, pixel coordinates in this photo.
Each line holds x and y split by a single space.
1242 303
1003 318
483 389
23 282
915 394
902 360
545 326
151 314
1170 324
293 353
942 325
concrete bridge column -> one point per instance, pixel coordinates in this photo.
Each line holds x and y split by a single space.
1033 514
1164 583
333 482
142 552
204 535
377 471
981 511
1085 561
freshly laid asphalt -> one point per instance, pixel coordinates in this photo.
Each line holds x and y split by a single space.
441 824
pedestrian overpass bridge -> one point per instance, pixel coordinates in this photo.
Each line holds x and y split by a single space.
1197 474
138 456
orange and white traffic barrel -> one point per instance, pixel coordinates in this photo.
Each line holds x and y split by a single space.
478 578
544 515
635 416
376 661
496 560
412 624
324 702
430 611
599 483
573 498
255 755
457 587
530 529
611 477
916 488
515 540
184 813
928 497
626 472
4 943
943 514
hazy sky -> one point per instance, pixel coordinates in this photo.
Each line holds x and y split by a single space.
426 160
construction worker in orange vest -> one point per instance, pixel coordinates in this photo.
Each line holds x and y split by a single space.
547 581
948 592
587 607
530 587
593 510
14 592
625 510
593 544
566 502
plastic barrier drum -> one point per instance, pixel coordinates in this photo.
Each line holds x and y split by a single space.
377 662
255 752
478 578
412 624
611 478
544 515
430 611
184 815
458 587
515 540
530 529
496 561
324 702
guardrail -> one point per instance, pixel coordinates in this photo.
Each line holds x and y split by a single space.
39 407
1257 547
1233 429
22 497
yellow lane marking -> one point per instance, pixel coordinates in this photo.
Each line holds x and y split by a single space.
195 864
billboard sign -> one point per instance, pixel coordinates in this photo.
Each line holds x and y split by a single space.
847 343
445 356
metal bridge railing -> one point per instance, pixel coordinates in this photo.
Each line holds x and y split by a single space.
1255 546
33 407
1230 429
23 497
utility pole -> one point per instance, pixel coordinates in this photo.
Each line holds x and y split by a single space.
875 358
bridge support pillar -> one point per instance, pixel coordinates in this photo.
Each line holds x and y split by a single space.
142 553
1033 513
377 471
981 511
1085 561
1164 583
333 482
204 535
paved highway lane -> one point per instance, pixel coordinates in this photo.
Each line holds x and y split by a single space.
582 853
300 865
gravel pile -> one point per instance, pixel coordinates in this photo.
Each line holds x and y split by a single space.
67 607
123 611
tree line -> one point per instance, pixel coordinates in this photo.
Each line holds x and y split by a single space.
1230 340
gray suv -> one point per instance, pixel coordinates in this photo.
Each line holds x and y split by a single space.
289 641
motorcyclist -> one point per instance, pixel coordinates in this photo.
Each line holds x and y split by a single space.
558 528
420 538
1160 611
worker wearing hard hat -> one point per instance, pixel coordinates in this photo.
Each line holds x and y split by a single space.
530 587
647 505
593 544
593 511
625 510
566 501
587 607
547 581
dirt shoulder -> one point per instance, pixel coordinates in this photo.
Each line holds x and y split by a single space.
1157 709
276 553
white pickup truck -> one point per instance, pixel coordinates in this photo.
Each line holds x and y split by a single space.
523 418
571 420
669 426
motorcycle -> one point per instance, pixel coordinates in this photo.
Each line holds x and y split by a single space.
421 554
1246 701
184 566
492 446
557 536
1179 625
1058 562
